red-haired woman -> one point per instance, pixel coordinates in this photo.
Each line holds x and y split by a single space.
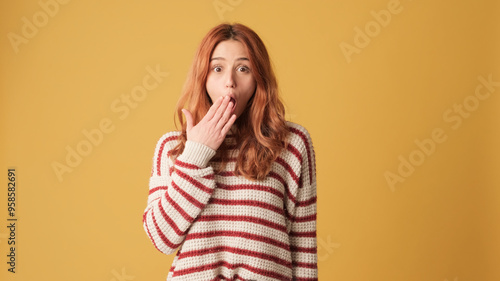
235 188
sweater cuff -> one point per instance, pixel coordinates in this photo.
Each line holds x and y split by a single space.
197 154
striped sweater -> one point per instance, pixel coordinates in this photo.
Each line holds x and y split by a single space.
230 228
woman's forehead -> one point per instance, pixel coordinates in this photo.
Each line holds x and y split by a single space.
230 48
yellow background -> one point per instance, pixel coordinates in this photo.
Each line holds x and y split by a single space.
441 223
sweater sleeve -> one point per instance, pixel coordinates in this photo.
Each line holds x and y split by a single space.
178 192
303 242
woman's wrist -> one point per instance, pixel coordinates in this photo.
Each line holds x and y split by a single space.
197 154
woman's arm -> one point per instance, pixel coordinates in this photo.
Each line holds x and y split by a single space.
177 192
303 215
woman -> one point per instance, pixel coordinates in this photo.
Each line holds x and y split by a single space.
235 189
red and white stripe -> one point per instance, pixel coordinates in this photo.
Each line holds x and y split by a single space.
230 228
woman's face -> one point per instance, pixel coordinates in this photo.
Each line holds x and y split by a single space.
229 74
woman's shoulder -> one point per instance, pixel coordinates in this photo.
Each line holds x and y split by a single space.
298 133
168 140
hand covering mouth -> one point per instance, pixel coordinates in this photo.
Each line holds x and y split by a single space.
232 99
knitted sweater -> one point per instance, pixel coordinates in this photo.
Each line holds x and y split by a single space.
229 227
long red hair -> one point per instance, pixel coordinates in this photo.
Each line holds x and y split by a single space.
261 129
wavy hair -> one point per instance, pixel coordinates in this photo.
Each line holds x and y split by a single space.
261 130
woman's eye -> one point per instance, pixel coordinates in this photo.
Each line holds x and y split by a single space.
217 68
243 69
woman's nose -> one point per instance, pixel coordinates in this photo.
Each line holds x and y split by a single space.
230 83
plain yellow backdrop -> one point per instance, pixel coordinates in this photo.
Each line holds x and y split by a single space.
394 93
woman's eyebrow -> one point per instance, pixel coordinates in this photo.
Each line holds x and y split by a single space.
221 58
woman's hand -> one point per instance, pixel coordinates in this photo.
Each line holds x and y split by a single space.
212 129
